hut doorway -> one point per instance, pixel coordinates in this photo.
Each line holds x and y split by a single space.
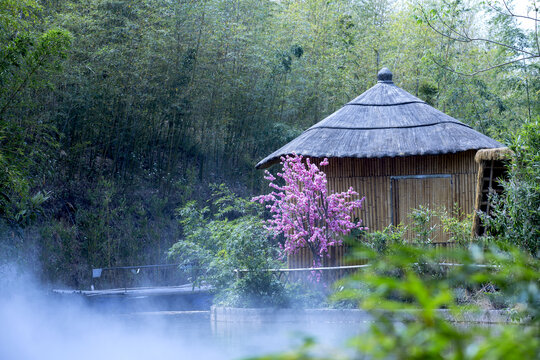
411 192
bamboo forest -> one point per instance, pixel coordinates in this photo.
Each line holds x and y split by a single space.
369 167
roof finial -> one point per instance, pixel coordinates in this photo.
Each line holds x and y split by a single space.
384 75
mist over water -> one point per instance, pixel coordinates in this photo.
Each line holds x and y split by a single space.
34 324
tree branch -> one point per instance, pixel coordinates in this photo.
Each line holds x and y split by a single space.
510 13
486 69
463 37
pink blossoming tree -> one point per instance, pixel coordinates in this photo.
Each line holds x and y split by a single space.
304 212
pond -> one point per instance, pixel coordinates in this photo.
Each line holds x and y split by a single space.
45 327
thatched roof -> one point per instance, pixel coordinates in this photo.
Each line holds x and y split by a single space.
385 121
493 154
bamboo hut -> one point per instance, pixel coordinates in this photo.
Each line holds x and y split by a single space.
397 151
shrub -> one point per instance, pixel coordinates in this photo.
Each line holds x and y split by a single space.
422 224
515 215
457 225
397 284
226 246
381 240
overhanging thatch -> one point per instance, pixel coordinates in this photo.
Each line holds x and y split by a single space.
493 154
385 121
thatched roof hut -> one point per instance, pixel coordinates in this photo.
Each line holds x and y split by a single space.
396 150
385 121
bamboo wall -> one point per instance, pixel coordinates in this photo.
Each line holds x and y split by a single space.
372 178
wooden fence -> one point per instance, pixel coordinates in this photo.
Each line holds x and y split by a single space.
331 274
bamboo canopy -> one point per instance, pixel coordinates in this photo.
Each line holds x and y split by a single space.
385 121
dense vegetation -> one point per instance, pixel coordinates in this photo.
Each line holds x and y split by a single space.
411 297
113 113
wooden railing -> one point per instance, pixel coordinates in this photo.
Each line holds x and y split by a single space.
331 274
139 275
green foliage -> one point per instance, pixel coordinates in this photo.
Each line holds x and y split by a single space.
380 241
515 216
422 225
428 92
410 307
110 230
160 97
225 245
425 222
309 295
30 210
27 57
458 226
406 303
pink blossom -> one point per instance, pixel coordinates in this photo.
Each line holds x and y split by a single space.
304 212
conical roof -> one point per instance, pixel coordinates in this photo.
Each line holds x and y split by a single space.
385 121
